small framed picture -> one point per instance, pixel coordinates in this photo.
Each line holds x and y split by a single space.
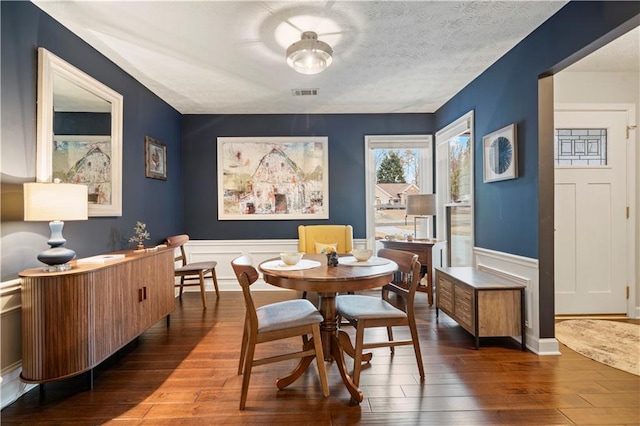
500 151
155 159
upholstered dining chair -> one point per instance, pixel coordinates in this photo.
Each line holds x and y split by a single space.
317 238
192 274
367 311
275 321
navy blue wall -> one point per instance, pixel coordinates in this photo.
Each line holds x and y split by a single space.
346 134
506 212
158 203
82 123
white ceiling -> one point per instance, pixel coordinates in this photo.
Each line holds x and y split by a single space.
215 57
621 55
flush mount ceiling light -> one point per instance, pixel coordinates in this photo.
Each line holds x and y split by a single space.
309 55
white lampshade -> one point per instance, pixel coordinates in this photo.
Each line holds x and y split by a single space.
309 55
421 205
55 201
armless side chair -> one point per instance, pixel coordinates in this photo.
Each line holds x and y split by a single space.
192 274
272 322
367 311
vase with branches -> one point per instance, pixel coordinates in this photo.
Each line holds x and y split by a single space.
140 235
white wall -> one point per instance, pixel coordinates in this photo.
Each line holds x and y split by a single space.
614 88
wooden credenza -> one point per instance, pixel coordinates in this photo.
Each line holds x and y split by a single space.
425 256
484 304
74 320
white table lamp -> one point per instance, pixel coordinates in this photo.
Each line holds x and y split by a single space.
55 202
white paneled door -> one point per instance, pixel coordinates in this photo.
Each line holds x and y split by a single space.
590 212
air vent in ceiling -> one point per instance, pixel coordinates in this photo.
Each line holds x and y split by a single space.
304 92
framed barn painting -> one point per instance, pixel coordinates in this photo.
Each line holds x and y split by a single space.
273 178
94 161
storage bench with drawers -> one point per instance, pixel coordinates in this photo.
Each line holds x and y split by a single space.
482 303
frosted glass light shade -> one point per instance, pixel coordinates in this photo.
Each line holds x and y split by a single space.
309 55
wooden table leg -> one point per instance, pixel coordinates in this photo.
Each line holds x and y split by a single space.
338 356
331 345
329 326
429 285
348 348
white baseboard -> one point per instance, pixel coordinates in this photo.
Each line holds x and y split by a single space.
11 387
547 347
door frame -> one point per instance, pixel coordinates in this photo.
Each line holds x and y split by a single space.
632 243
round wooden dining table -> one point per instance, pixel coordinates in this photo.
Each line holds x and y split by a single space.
328 281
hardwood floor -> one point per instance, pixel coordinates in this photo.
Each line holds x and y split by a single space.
186 374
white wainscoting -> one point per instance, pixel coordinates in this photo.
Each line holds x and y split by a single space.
522 270
517 268
224 251
11 387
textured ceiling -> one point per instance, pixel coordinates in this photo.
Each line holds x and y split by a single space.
215 57
621 55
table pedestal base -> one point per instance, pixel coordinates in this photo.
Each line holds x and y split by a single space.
337 354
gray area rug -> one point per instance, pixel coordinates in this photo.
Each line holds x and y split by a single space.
616 344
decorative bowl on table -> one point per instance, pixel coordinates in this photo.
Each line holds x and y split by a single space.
362 255
291 257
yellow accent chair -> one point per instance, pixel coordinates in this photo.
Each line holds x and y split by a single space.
315 238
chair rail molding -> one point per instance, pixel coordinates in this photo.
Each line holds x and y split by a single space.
224 251
11 387
522 270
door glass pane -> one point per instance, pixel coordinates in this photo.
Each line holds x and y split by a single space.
580 147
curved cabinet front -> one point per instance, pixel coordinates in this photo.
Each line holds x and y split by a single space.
73 320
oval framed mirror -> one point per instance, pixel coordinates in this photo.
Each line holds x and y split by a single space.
79 133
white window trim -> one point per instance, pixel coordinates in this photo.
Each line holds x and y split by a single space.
393 142
461 125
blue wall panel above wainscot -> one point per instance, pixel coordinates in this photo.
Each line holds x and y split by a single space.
346 134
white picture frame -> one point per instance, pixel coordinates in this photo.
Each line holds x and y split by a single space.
94 97
500 154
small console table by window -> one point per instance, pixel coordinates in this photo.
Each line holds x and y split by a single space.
423 249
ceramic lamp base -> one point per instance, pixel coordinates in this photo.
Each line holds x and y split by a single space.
57 258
